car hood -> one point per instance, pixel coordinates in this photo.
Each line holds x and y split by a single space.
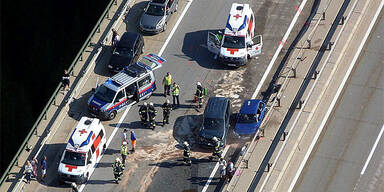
229 52
94 101
245 128
120 61
71 169
150 20
209 133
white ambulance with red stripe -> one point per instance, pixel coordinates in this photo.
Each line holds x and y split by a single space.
84 149
238 43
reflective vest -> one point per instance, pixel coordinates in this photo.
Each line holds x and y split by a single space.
117 167
124 150
167 80
176 90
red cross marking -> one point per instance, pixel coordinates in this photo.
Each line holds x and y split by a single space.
70 167
82 131
232 51
237 16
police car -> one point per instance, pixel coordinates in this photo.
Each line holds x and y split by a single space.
134 83
83 151
239 42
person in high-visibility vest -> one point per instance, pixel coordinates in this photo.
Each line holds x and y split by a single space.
167 82
124 152
175 93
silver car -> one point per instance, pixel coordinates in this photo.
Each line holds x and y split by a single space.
156 15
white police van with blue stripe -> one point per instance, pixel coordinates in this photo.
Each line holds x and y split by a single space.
134 83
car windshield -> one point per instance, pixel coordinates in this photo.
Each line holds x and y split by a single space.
105 94
73 158
155 10
247 118
123 51
211 123
234 42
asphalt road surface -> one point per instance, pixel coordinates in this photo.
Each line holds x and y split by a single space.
338 161
156 165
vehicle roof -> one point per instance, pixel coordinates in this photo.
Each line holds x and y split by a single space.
237 20
128 39
158 2
216 107
83 135
250 106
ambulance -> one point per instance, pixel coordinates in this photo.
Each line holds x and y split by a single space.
131 85
238 43
84 149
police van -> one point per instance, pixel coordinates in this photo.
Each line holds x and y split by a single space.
83 151
238 43
134 83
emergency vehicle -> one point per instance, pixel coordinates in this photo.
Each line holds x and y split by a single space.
134 83
83 151
238 43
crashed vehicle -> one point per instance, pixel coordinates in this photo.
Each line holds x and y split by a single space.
250 117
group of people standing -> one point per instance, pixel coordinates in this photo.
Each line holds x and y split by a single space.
30 169
119 165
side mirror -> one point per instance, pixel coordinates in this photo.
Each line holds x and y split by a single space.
89 162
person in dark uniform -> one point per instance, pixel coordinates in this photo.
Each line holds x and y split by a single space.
65 80
143 112
117 167
187 154
167 108
199 95
152 115
217 153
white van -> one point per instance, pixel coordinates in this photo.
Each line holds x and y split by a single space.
83 151
238 43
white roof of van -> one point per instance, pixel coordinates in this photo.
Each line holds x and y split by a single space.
237 20
84 134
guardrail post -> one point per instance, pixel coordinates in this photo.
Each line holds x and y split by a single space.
81 57
300 104
28 147
294 69
268 167
278 101
72 73
246 163
108 14
45 115
309 43
115 2
35 131
315 74
329 45
98 29
261 132
284 136
342 20
323 18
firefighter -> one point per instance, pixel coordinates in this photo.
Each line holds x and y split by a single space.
117 169
217 153
167 108
143 112
199 95
152 115
187 154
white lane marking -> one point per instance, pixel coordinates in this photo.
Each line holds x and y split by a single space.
330 109
278 49
175 27
214 171
108 142
373 150
129 107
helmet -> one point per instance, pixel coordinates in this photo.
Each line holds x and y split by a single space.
186 143
117 160
145 104
124 143
151 104
198 83
215 139
73 184
167 101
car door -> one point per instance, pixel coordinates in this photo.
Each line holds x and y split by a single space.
120 100
255 48
213 43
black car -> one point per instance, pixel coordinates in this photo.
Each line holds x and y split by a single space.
127 51
157 14
216 121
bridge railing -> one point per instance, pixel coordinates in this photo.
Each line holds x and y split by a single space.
52 99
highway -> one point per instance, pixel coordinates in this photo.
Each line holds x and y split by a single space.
156 165
349 155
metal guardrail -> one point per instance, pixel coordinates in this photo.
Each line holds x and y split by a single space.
52 99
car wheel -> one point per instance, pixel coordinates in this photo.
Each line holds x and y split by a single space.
165 26
112 115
